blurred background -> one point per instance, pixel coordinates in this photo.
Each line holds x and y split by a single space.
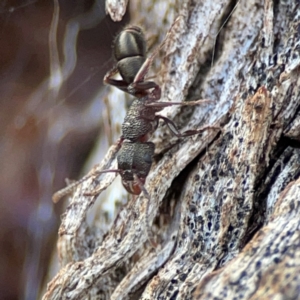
53 57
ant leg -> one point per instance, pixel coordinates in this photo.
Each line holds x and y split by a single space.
135 87
148 227
146 65
177 133
143 86
143 71
186 103
67 190
120 84
148 62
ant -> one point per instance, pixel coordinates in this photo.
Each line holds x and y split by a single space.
135 153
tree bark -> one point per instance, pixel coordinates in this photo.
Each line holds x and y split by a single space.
225 205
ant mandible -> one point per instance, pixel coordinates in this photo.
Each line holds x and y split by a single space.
134 151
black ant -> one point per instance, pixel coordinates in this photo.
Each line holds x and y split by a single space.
135 152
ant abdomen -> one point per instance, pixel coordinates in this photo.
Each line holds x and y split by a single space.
128 67
130 52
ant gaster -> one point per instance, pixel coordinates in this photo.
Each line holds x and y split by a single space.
135 154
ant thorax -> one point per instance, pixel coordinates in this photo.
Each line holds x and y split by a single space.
140 122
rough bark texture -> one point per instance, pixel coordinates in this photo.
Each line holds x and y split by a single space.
228 202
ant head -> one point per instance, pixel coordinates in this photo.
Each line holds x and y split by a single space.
132 186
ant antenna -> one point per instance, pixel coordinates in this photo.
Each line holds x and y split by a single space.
67 190
224 23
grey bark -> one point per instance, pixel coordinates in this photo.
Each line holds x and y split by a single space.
224 205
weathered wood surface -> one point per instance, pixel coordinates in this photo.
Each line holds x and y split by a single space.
230 224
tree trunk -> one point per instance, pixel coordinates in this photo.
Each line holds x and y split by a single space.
224 203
